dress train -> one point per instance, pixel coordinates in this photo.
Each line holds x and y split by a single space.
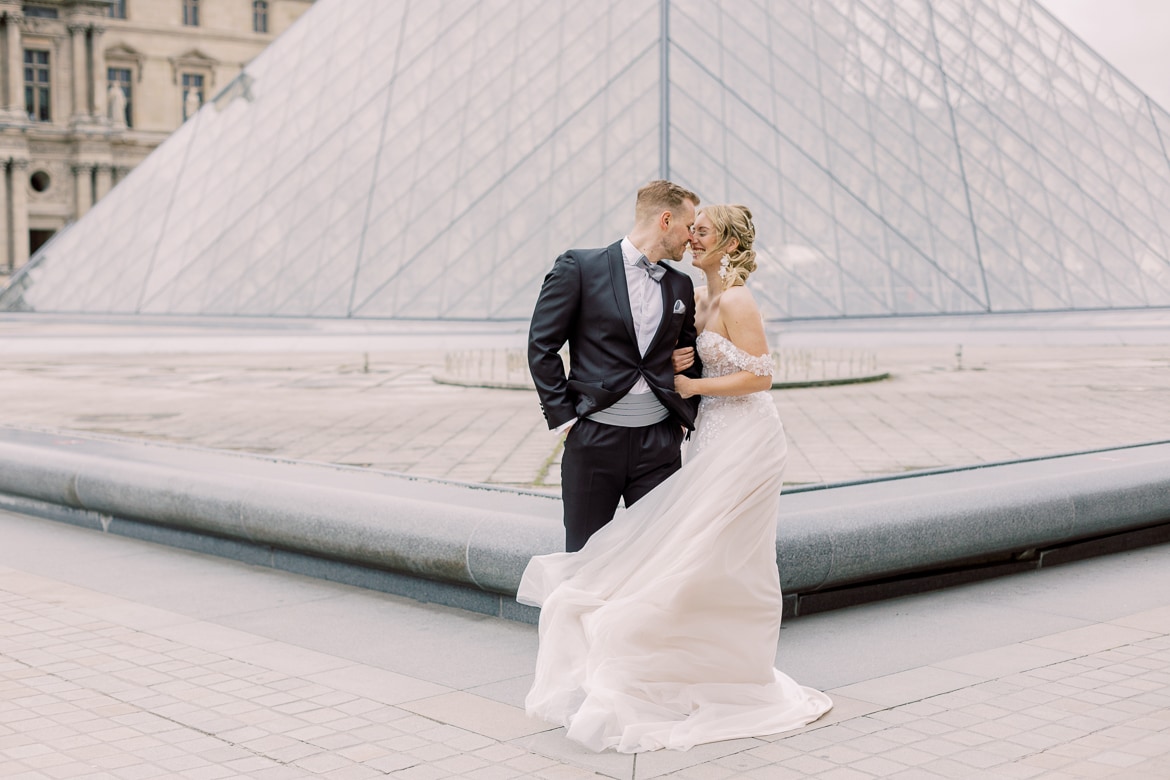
662 631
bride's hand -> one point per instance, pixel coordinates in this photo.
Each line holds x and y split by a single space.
683 359
684 386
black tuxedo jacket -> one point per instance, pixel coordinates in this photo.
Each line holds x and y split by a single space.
585 301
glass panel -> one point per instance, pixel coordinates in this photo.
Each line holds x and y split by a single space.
900 157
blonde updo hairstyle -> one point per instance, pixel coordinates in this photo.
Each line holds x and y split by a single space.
734 222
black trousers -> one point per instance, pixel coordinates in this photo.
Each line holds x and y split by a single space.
603 463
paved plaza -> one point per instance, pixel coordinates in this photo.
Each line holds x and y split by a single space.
123 659
372 401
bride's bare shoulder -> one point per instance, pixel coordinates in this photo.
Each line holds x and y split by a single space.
741 318
738 302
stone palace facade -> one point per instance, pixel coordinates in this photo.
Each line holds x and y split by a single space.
88 88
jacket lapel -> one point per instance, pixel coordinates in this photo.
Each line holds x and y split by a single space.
621 292
668 299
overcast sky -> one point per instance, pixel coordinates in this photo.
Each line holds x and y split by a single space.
1133 35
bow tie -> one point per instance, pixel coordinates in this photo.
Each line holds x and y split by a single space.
653 270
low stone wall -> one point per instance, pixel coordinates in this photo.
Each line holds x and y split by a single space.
467 545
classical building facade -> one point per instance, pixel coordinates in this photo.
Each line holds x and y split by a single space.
88 88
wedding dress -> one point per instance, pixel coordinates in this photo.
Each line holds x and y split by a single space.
662 631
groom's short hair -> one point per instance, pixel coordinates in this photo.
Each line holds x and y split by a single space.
661 195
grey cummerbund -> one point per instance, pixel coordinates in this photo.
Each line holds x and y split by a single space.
632 411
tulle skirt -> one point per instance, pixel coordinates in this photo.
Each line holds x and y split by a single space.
662 631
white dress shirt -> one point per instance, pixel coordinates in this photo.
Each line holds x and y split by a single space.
645 304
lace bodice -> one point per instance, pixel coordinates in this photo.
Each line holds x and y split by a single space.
721 357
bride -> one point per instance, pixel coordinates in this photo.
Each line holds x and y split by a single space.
661 632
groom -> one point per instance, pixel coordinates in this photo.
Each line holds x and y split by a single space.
623 312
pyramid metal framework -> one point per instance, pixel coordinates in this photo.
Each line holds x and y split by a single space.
390 158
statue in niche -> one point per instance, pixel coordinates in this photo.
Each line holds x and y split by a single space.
116 103
191 103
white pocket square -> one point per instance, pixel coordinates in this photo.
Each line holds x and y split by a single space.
679 308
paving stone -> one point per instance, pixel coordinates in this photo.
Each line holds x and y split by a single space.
530 762
845 773
477 714
909 686
493 772
392 762
808 764
908 756
356 772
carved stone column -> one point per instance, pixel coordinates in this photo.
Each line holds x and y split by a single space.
83 188
19 170
14 66
80 77
105 180
98 77
7 261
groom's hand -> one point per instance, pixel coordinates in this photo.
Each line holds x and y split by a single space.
682 359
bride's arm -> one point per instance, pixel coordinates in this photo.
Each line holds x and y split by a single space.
745 329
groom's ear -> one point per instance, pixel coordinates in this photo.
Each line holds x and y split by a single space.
664 220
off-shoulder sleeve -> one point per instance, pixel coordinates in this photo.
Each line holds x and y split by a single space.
760 365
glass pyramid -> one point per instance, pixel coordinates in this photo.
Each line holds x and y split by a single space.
429 160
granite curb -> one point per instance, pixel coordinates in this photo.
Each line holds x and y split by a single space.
459 545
